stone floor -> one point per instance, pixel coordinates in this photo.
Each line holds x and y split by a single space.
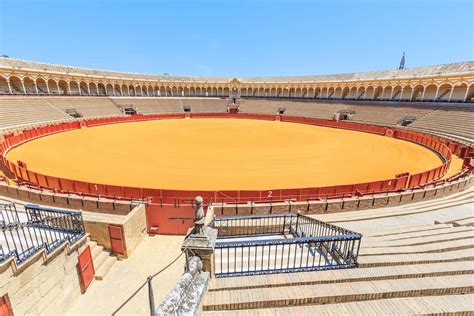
153 253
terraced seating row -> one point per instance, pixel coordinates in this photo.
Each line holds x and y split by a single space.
87 106
173 105
406 260
22 111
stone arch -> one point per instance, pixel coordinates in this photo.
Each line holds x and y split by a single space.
386 93
131 90
53 86
16 85
84 88
352 95
459 92
345 93
74 87
469 94
369 93
93 88
444 92
63 88
109 89
117 91
378 91
406 93
29 85
42 86
417 93
396 93
4 86
337 93
429 92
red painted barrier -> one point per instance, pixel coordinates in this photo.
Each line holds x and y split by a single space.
442 145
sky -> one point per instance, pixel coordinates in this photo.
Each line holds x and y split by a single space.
238 38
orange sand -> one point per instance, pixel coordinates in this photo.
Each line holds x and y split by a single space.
210 154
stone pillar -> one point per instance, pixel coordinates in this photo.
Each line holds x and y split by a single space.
10 87
201 239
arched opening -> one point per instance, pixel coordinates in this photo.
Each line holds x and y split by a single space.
396 93
369 93
131 91
406 93
4 86
352 93
226 92
15 84
345 93
330 93
470 94
84 88
53 87
63 89
430 93
459 93
377 93
117 91
29 85
387 93
93 88
109 89
144 91
444 92
360 93
324 93
317 93
124 90
101 89
162 91
151 92
337 93
417 94
41 85
74 86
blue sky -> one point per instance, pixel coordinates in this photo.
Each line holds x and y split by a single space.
238 38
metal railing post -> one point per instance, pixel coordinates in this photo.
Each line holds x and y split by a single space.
151 298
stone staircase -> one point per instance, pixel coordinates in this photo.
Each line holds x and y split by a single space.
103 260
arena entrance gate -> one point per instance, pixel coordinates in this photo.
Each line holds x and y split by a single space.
170 219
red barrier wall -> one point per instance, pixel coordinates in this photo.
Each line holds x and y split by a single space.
441 145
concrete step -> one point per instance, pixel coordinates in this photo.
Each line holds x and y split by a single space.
426 305
105 268
341 293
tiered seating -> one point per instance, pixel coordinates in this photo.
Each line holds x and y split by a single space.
454 121
87 106
21 111
386 115
173 105
407 264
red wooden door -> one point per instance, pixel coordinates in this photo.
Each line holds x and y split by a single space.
86 268
169 219
4 309
116 239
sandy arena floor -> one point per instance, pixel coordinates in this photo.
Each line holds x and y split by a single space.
213 154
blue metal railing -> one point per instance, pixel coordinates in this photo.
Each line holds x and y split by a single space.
22 234
299 243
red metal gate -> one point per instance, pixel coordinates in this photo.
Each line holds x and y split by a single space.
86 268
169 219
117 243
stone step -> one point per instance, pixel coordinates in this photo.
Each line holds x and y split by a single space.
417 236
105 267
330 294
342 276
100 259
409 259
434 247
427 305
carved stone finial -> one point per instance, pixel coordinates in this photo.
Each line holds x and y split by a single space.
199 217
